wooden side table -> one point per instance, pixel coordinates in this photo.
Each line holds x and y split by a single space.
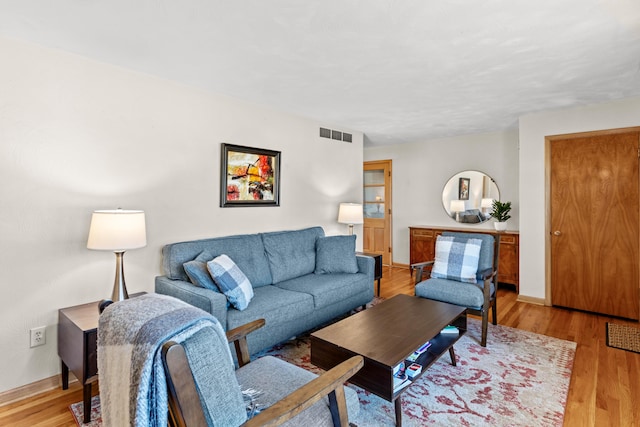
377 275
77 348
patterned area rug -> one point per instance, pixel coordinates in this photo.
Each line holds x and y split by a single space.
77 409
623 337
520 378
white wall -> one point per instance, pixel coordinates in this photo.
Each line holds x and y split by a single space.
421 171
77 135
533 130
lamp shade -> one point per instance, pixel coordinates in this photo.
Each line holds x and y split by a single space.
457 206
117 230
350 213
486 203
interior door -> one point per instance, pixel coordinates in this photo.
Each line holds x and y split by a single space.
377 209
594 222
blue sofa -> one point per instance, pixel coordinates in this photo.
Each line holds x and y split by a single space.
291 292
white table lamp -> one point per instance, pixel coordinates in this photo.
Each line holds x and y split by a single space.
457 206
350 213
118 231
486 204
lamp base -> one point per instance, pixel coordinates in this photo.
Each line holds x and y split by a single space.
119 288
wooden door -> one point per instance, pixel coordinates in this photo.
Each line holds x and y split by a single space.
594 222
377 209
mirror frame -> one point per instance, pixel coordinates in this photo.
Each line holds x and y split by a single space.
469 187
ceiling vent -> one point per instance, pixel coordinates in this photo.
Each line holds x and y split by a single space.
336 134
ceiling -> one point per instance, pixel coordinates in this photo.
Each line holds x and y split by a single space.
397 70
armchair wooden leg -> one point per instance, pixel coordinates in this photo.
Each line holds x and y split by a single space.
338 407
485 321
494 309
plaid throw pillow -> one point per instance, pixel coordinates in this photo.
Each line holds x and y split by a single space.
456 259
231 281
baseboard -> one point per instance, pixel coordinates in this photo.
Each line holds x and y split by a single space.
28 390
531 300
398 265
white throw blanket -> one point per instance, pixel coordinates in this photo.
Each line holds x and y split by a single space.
133 389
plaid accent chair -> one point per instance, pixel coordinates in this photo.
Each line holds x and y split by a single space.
464 273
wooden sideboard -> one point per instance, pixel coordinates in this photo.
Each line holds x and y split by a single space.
422 247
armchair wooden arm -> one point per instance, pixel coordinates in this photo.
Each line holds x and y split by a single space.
419 268
487 276
330 383
238 336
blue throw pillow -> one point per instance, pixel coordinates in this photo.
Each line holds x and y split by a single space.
231 281
198 272
456 260
336 254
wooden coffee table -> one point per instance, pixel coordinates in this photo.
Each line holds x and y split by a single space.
385 335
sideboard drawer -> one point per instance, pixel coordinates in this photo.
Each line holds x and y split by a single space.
507 240
425 233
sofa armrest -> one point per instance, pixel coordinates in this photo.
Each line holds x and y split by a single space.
366 265
205 299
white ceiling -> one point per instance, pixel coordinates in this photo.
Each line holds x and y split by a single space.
397 70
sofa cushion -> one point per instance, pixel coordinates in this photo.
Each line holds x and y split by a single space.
231 281
246 250
276 306
274 379
456 259
291 253
328 289
336 254
198 272
458 293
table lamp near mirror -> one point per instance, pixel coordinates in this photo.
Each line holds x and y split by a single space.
117 230
457 206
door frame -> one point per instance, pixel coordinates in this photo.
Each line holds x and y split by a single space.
386 164
547 194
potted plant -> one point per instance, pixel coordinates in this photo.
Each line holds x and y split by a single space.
501 213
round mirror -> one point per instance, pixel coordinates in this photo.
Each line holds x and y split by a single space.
467 197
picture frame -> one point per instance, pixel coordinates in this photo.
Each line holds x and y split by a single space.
463 188
249 176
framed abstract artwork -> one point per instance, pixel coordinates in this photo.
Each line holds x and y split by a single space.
463 188
249 176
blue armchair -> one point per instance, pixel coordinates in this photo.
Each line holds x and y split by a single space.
165 362
464 273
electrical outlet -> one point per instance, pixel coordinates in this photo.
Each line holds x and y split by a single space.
38 336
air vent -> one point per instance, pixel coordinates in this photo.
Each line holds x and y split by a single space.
336 134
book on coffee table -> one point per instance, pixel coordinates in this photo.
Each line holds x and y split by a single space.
414 356
450 330
413 370
400 383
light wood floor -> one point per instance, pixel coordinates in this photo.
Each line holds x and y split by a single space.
604 390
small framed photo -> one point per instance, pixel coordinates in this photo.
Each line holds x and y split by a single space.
249 176
463 188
